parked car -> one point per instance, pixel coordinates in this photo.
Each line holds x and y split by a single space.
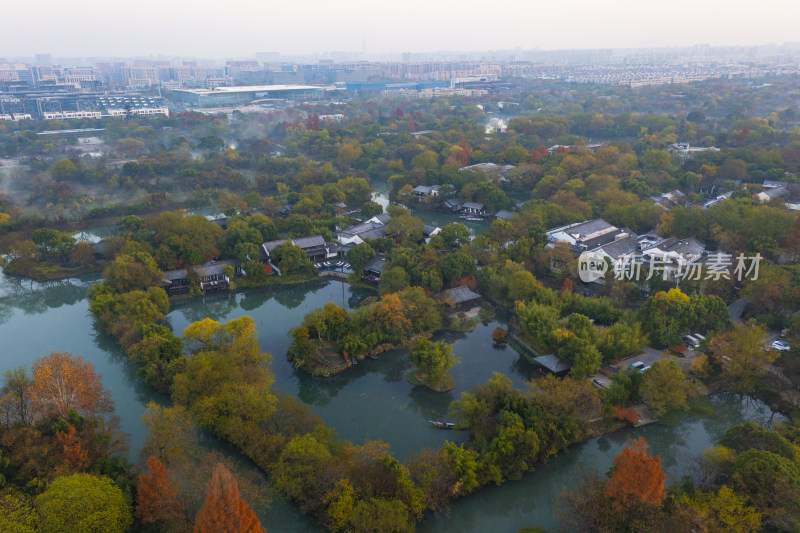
691 341
638 365
644 368
599 383
780 345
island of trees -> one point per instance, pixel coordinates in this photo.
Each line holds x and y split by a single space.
300 179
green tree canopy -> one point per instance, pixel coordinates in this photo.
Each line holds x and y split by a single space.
226 383
53 243
289 257
741 353
359 255
664 387
393 280
133 271
83 503
432 360
455 235
18 514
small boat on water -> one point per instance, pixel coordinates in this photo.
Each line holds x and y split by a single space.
471 218
442 425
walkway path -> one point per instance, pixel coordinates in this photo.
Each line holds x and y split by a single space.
736 308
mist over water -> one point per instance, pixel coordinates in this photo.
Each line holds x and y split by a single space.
496 125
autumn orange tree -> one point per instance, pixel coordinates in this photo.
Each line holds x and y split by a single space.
157 499
566 287
637 478
224 509
500 335
627 414
76 458
389 314
62 381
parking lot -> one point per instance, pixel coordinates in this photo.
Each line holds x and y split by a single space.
649 355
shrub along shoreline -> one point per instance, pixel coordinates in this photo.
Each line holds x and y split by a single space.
218 372
395 320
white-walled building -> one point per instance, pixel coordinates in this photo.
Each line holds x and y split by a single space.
586 235
373 228
145 111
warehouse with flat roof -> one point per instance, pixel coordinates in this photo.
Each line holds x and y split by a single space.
233 96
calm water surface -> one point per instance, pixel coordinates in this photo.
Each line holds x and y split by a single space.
433 217
369 401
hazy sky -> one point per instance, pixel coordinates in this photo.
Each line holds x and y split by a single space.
238 28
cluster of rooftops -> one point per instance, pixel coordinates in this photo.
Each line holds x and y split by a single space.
595 235
211 275
611 242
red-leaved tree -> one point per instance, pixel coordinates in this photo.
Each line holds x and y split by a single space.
566 287
627 414
76 458
538 153
157 499
224 509
637 478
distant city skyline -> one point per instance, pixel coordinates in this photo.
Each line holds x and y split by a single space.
242 28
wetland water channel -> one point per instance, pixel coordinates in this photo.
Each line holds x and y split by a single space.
372 400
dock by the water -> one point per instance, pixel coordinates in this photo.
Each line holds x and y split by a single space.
333 274
523 348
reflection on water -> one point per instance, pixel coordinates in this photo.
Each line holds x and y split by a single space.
95 234
530 502
435 218
38 318
32 297
372 400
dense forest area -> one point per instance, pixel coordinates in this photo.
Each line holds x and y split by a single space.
567 154
195 159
